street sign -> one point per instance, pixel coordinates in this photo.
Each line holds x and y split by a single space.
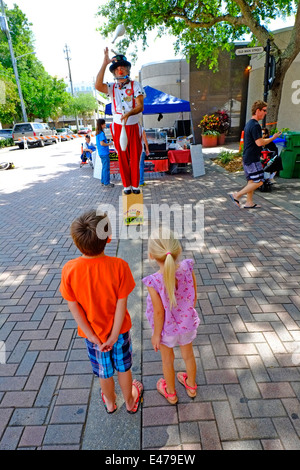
249 50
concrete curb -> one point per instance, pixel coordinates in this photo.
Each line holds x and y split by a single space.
122 431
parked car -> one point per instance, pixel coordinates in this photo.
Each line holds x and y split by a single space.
84 130
38 133
6 133
48 129
65 133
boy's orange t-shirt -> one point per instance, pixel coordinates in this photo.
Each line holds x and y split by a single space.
96 284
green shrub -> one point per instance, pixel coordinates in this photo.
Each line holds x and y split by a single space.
6 143
226 156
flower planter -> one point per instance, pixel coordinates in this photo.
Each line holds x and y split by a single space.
221 139
209 141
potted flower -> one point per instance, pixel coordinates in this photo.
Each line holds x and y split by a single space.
224 125
210 130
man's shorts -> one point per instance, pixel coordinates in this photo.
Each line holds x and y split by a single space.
254 172
119 358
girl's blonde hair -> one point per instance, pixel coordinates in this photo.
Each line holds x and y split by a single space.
165 248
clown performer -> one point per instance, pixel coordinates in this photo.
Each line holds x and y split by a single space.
127 105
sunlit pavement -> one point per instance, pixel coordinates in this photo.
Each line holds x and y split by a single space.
248 343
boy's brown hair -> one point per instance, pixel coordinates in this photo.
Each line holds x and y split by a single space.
259 104
90 232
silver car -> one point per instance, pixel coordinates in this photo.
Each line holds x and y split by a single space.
35 133
65 133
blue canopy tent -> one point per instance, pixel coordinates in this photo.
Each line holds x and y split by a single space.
158 102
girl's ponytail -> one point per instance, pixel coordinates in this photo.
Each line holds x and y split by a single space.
165 248
169 278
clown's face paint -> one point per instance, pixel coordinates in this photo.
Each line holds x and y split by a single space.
121 72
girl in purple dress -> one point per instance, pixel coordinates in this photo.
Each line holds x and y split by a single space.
172 296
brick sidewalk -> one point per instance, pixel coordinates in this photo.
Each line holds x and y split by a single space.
248 301
45 384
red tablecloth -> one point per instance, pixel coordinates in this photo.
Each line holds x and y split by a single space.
160 165
179 156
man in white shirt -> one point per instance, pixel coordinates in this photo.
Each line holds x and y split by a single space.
127 105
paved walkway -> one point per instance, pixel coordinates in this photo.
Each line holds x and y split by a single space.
247 272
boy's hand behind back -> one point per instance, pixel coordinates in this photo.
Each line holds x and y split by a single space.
94 339
108 345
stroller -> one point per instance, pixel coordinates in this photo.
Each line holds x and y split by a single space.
270 161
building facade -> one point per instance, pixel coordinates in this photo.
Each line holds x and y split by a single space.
206 91
171 77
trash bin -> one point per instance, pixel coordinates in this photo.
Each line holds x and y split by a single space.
290 156
280 143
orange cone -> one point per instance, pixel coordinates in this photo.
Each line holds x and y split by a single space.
241 142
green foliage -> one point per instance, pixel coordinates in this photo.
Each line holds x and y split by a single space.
283 130
44 95
9 98
203 28
211 132
85 105
226 156
6 143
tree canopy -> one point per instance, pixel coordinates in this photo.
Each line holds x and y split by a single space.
43 94
205 28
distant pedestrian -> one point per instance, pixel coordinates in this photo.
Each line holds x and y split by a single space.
103 152
172 296
253 142
96 287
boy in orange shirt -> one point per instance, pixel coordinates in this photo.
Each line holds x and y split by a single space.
96 288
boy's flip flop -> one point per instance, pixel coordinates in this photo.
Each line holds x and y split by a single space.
255 206
139 387
235 201
191 391
105 406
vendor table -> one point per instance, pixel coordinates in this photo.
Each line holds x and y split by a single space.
179 156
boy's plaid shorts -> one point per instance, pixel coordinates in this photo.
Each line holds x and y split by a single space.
119 358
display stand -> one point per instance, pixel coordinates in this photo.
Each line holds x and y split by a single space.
133 213
197 160
97 163
114 162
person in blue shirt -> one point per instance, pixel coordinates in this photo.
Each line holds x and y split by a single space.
88 148
103 152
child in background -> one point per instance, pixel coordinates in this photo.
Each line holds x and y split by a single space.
172 296
103 152
96 288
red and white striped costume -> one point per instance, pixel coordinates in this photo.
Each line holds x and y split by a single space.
129 160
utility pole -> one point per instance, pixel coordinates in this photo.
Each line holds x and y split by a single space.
67 50
4 28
